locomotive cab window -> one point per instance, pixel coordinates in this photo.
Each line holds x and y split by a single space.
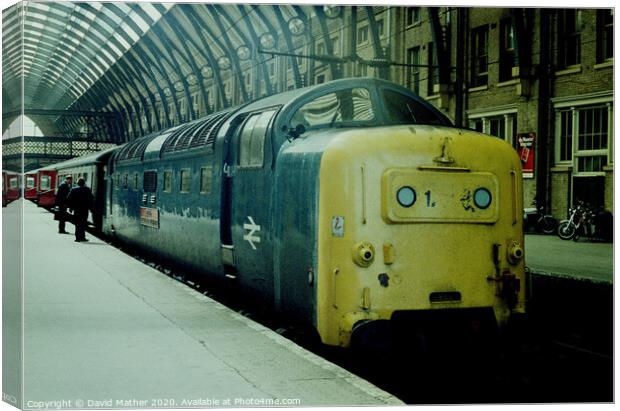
252 139
337 109
402 109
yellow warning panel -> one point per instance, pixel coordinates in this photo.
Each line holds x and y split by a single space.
413 195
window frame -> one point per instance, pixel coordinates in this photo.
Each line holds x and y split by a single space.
202 180
509 115
479 78
189 180
167 188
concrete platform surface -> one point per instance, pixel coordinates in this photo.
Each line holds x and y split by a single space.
102 329
550 255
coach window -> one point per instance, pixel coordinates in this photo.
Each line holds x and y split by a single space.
29 182
205 180
185 181
252 139
167 181
45 183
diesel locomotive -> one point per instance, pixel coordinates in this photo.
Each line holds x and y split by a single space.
344 205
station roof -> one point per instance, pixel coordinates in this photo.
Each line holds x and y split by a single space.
124 57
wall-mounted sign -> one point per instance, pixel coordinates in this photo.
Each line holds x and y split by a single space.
149 217
527 153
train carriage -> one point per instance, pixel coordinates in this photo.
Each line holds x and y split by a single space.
91 167
11 186
345 205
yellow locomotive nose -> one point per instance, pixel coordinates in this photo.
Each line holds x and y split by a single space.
435 223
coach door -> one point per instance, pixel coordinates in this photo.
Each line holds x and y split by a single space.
246 196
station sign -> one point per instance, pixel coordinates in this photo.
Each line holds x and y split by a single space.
526 144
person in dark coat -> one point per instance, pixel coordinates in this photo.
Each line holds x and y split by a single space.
81 200
61 202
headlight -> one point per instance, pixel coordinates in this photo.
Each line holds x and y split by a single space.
482 198
406 196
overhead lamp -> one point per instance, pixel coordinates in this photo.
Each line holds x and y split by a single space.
267 41
243 52
223 63
296 26
332 11
191 79
206 71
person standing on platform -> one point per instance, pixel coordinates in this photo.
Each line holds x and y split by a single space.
81 200
61 202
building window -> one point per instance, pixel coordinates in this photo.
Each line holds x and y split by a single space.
413 15
583 138
380 28
480 56
336 45
320 49
565 136
167 181
320 78
185 174
569 47
503 126
206 174
433 69
125 182
362 35
604 35
507 50
413 71
136 181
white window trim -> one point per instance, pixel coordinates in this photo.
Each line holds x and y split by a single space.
575 103
509 113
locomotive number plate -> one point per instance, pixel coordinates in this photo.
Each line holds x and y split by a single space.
149 217
410 195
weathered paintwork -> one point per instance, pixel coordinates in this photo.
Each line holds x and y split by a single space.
312 225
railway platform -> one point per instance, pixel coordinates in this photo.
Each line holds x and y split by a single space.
549 255
103 330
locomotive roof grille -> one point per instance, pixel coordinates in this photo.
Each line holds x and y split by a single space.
186 136
171 141
207 134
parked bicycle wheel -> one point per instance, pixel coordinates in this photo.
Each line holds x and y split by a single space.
548 224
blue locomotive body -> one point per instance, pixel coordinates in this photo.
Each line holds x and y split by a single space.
269 197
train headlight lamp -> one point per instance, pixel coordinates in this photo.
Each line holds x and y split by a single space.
406 196
482 198
363 254
515 252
